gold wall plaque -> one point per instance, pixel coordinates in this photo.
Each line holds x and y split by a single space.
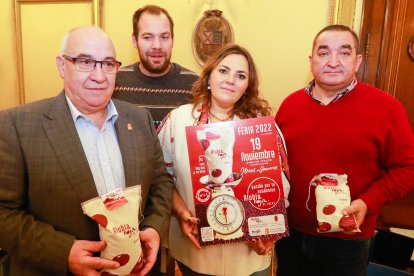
211 33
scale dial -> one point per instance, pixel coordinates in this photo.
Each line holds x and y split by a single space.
225 214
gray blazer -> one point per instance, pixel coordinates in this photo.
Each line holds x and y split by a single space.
45 176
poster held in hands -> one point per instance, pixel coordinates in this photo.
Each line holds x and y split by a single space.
236 177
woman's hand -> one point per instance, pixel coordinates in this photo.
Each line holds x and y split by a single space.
262 247
189 226
188 222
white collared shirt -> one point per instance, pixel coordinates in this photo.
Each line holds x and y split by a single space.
101 148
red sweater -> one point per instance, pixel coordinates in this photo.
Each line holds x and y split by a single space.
365 134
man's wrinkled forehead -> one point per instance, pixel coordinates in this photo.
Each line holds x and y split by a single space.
323 41
90 41
327 47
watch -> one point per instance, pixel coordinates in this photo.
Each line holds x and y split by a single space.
225 214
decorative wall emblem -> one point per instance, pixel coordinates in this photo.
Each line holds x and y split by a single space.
410 51
211 33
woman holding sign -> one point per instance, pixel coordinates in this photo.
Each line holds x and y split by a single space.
226 90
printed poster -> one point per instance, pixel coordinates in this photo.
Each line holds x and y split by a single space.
236 178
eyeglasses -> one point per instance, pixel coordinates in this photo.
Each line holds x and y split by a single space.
88 65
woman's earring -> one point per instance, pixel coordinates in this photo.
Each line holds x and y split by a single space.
208 87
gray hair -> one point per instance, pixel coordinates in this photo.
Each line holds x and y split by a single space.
64 44
66 37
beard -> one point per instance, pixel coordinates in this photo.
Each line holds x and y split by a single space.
155 68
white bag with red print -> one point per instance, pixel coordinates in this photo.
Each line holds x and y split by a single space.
117 214
332 197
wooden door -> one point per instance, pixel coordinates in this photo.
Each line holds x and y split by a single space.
387 43
404 84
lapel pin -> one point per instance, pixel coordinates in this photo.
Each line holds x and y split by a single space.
129 126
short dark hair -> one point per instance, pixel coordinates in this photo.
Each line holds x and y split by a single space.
340 28
151 9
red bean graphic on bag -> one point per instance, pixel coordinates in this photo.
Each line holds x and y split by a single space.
216 173
328 209
205 144
101 220
324 227
348 223
121 259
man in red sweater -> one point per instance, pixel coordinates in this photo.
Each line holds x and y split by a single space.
339 125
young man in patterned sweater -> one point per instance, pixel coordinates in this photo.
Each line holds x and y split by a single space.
154 82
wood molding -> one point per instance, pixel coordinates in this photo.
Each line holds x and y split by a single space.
96 19
19 52
375 12
395 43
342 12
380 42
